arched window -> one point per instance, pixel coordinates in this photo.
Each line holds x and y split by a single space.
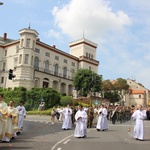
65 72
36 63
46 66
56 69
72 73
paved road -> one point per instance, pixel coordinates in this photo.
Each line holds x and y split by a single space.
39 134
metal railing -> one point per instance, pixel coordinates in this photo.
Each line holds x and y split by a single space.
51 72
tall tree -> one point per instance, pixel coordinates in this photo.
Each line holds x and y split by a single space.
86 81
121 84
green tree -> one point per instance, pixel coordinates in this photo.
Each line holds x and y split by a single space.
50 96
107 85
66 100
121 84
86 81
113 96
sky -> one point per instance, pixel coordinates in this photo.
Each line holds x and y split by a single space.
121 28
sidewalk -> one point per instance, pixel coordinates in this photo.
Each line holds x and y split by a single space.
45 118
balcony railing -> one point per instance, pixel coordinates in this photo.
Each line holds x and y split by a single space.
51 72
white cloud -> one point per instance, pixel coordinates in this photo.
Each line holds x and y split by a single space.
95 18
121 33
52 33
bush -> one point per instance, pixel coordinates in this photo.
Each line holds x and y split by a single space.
66 100
37 112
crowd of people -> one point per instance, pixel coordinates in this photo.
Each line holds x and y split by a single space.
98 117
11 119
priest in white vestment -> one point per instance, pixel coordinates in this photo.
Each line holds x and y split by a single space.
22 115
102 123
3 116
81 123
67 120
11 121
139 115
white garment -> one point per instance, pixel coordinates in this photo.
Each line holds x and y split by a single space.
81 126
139 116
67 121
3 118
102 123
22 114
10 123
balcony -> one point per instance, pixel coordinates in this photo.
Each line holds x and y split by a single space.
88 59
51 72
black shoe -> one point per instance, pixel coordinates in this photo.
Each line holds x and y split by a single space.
5 141
18 133
98 129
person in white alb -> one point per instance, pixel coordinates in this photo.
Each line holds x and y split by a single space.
81 123
22 115
102 123
139 115
67 121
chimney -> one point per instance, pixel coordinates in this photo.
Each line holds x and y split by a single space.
5 36
37 39
54 46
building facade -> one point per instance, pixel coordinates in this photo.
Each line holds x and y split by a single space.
137 95
37 64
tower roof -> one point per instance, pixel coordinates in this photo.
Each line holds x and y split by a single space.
85 41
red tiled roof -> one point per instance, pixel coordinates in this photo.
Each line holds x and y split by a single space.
137 92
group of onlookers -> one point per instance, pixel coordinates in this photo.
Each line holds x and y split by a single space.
11 119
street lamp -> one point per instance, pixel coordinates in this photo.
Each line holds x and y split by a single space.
1 3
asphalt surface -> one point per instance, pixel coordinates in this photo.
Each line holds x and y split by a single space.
40 134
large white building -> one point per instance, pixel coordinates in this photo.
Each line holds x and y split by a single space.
37 64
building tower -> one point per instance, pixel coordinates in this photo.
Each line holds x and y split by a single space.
85 50
24 66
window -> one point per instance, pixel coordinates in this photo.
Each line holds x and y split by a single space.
73 64
47 54
20 59
33 45
2 80
139 96
26 58
4 65
65 61
28 43
86 54
36 63
56 69
37 50
56 57
91 56
65 72
5 53
47 66
22 40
